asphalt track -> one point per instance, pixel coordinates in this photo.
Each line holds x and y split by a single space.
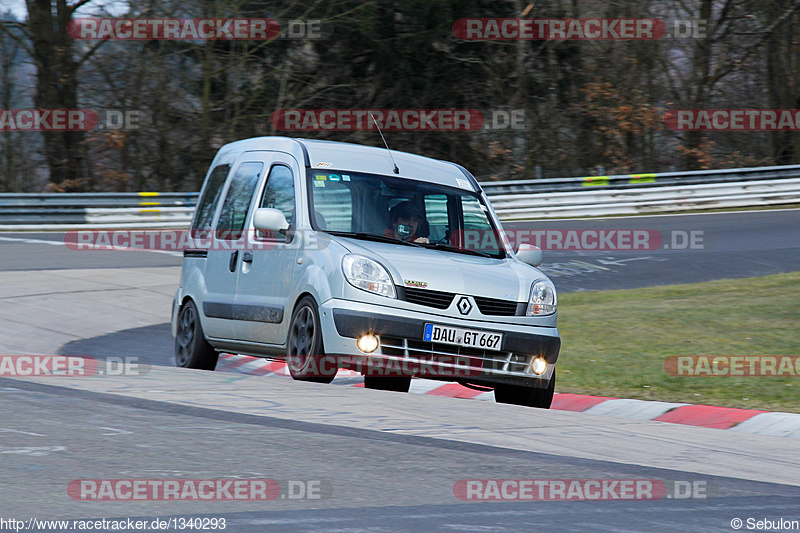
375 480
388 462
725 246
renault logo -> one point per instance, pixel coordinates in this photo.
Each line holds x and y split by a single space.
464 307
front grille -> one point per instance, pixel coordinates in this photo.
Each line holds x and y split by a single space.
490 306
442 300
490 361
435 299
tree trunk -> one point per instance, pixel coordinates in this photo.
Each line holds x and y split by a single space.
57 88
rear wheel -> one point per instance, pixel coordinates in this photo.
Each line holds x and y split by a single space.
528 396
396 384
192 350
305 354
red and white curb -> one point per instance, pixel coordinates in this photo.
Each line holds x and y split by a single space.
742 420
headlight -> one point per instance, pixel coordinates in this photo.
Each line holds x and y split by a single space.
542 300
368 275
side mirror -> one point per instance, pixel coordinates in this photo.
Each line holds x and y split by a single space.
528 253
268 219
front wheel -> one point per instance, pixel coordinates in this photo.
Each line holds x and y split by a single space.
192 350
305 354
527 396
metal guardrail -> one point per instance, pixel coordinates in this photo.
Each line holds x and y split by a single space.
513 200
668 199
628 181
57 210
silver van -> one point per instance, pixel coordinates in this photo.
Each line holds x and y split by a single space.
331 255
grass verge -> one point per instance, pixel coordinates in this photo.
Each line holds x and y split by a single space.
614 343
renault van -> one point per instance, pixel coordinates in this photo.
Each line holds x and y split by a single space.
332 255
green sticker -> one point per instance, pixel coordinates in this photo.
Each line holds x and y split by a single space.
320 177
334 177
319 183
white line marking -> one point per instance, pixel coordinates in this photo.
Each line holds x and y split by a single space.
35 451
89 246
655 215
118 431
6 430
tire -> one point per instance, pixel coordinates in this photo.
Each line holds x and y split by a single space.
192 350
527 396
305 353
395 384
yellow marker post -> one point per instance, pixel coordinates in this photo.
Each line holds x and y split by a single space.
149 195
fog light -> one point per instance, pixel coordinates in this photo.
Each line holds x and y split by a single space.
538 365
367 343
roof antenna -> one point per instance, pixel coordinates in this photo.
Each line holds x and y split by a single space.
396 170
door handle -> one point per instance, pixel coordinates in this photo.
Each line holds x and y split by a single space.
232 261
247 256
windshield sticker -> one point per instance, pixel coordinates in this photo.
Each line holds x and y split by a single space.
346 177
320 176
464 184
319 184
411 283
323 165
334 177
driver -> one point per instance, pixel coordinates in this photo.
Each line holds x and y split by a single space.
404 221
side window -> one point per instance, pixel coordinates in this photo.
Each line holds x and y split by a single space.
436 215
279 194
474 216
207 204
333 204
237 201
478 232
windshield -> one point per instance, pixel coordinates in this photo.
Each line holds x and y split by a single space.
394 209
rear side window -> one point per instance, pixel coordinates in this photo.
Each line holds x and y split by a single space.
208 201
279 194
237 201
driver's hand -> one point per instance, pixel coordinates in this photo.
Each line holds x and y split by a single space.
422 240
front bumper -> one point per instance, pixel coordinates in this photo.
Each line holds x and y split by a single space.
175 310
401 346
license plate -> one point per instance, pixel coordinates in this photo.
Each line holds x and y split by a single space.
462 337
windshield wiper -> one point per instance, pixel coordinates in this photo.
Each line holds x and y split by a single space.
371 237
451 248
